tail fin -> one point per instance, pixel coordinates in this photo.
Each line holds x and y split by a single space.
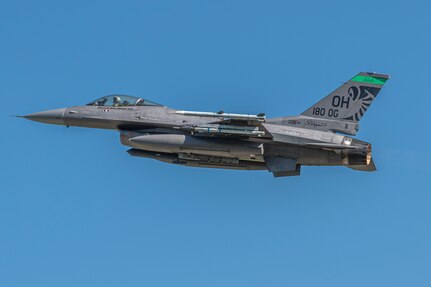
350 101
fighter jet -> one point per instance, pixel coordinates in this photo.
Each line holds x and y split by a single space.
320 136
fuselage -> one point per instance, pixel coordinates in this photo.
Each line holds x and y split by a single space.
318 136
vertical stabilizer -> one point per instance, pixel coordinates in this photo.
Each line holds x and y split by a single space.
350 101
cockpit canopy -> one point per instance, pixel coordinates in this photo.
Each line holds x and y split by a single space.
121 101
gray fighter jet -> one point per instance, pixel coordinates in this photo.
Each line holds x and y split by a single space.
318 136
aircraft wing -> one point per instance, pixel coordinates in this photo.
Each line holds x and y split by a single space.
227 124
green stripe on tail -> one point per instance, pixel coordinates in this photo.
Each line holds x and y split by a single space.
369 80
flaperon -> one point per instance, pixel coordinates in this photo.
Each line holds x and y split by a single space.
237 141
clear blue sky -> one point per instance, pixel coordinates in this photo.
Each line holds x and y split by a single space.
77 210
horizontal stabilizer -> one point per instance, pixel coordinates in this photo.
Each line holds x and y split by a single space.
368 167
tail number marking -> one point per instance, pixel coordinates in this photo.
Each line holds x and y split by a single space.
322 112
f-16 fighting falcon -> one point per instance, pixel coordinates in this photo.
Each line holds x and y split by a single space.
318 136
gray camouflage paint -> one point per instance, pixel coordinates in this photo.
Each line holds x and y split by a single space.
235 141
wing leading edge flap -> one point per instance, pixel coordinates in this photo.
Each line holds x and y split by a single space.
282 166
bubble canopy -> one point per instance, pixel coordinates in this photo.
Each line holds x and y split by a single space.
121 101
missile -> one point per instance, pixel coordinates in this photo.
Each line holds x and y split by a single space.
245 117
250 131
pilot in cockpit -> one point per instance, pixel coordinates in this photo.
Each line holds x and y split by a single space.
101 102
116 101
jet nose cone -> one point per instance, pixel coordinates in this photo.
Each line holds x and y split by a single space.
55 117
